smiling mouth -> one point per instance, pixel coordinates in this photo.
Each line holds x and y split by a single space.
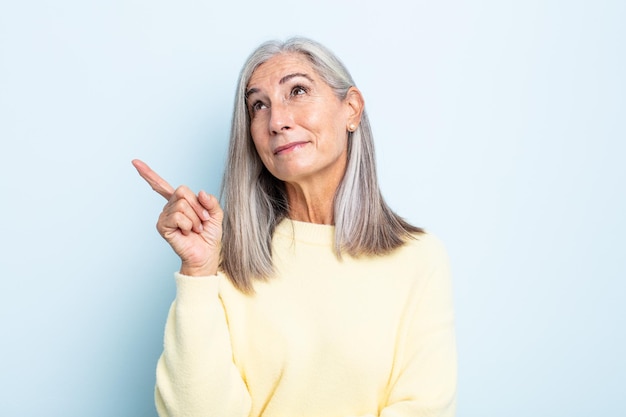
288 147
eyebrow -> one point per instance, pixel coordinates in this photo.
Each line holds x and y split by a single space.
282 81
294 75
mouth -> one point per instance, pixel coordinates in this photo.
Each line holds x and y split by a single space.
288 147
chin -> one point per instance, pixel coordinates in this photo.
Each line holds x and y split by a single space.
290 175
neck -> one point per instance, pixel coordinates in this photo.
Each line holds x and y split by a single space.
311 204
312 198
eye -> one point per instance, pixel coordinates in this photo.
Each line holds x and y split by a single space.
299 90
258 105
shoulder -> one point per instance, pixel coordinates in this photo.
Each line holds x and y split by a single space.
425 260
426 247
427 240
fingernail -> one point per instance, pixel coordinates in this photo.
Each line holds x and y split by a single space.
200 228
205 215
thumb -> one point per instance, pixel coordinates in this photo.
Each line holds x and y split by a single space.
212 205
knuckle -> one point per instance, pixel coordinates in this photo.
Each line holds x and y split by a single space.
180 205
181 191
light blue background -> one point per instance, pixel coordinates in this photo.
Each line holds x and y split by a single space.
500 126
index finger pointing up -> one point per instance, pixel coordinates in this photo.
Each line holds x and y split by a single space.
157 183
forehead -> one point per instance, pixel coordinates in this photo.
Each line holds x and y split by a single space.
278 66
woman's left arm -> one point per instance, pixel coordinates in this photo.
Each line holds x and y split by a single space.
425 373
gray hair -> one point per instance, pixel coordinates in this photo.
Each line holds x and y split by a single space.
255 201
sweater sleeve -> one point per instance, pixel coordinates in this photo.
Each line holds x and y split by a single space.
424 380
195 374
426 376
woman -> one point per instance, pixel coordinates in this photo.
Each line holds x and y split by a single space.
307 295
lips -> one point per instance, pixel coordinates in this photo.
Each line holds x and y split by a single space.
288 147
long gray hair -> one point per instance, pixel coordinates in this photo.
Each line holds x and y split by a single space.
255 201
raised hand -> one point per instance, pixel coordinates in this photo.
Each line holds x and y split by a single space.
190 223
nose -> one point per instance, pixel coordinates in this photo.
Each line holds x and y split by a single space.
281 118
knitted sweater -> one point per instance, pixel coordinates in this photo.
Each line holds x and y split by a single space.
324 337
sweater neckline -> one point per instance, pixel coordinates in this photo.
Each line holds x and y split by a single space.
321 234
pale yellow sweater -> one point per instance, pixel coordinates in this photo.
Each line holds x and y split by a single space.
323 338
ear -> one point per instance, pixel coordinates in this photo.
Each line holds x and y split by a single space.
355 105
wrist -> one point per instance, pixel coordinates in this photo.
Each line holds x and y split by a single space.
198 271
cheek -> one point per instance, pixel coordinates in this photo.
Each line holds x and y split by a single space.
258 138
254 130
334 120
337 131
261 151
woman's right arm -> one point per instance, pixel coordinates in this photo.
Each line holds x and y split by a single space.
196 375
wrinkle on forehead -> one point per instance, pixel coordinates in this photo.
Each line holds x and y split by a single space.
289 64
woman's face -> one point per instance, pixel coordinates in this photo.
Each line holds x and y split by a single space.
298 124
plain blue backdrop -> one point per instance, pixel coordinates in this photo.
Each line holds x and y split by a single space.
499 125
